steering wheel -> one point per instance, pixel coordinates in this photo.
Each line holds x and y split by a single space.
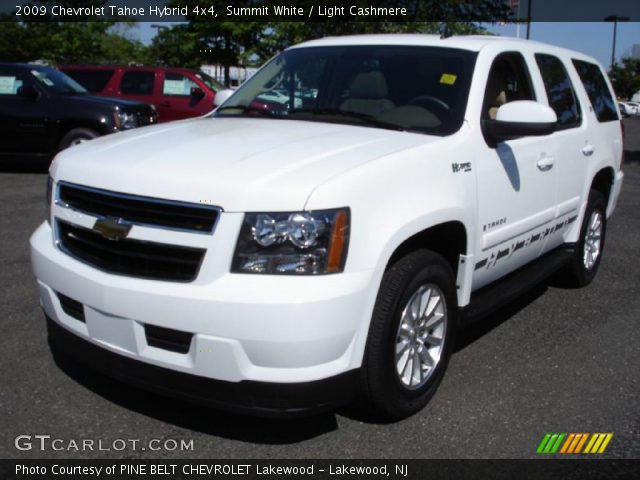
426 100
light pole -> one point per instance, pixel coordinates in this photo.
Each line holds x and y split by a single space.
529 2
615 19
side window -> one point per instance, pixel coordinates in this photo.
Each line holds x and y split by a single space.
177 84
597 90
137 83
9 84
93 80
508 80
562 96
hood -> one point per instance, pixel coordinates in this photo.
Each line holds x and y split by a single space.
238 164
127 105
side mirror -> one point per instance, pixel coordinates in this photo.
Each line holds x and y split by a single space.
197 93
28 92
521 118
222 96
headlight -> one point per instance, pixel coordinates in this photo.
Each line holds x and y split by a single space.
125 120
298 243
49 193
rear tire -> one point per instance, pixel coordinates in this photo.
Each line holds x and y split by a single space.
77 136
584 264
411 336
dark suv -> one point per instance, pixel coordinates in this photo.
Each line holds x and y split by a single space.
177 93
42 111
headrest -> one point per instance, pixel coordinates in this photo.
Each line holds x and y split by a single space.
496 91
370 85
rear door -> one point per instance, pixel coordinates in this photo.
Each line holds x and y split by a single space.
138 85
570 143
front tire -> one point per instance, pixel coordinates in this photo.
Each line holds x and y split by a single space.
76 137
411 336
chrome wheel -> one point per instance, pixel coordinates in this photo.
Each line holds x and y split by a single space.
420 336
592 240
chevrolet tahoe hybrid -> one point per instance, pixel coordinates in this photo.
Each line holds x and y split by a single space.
283 261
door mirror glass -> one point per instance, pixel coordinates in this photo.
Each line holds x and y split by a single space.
197 93
521 118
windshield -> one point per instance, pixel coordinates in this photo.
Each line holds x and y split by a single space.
210 82
422 89
57 82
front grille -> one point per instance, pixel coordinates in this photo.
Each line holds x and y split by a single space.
168 339
71 307
130 257
136 209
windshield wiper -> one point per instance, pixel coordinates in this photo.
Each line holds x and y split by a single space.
250 109
369 119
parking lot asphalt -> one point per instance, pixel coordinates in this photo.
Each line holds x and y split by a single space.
556 360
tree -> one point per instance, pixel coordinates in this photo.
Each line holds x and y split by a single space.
625 77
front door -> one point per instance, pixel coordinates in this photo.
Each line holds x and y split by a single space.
24 120
516 182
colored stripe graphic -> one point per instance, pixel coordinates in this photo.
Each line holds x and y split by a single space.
573 443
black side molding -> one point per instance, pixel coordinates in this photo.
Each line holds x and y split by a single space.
490 298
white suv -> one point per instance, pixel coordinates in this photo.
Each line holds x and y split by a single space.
280 257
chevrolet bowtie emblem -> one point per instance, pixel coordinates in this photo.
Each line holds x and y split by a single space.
112 228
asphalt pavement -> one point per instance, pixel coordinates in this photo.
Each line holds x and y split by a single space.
556 360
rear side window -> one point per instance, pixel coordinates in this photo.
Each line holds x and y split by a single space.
560 91
93 80
597 90
137 83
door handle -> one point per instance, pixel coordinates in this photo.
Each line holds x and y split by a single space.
545 162
165 104
588 150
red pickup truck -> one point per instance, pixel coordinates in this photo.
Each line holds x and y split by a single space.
176 93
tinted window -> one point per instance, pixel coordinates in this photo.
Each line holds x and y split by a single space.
597 90
93 80
137 83
176 84
508 80
423 89
562 96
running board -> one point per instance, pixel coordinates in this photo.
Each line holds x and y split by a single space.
490 298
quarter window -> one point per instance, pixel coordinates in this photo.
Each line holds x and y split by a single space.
560 91
597 90
137 83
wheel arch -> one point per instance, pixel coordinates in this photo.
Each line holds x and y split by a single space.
448 239
603 182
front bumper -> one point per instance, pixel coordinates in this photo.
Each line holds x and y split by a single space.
256 398
246 328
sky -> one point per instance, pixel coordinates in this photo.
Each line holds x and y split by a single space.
592 38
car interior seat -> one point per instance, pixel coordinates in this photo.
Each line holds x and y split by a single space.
368 94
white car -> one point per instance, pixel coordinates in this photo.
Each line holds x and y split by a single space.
629 108
279 263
